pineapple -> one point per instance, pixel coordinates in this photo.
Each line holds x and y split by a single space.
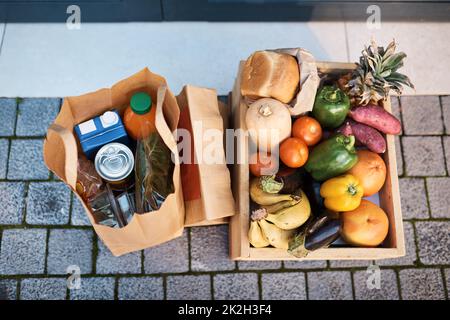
375 75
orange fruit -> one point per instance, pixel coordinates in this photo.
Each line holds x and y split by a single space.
370 170
366 226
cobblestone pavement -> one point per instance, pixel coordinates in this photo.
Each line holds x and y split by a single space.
43 230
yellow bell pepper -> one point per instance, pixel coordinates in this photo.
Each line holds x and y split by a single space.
342 193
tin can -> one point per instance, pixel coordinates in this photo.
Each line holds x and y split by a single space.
114 162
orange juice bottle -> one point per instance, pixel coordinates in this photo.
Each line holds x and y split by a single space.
139 116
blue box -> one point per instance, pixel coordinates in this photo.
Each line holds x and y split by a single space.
95 133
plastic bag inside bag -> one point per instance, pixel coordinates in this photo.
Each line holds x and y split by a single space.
154 171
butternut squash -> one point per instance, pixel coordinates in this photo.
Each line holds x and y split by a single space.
268 122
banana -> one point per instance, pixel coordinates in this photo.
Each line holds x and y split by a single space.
275 236
261 197
292 217
256 236
274 208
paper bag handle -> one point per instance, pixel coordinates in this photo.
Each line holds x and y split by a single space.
65 168
161 124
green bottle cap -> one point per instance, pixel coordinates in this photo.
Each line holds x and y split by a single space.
141 103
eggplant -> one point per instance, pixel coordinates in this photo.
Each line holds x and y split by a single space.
323 235
292 179
318 233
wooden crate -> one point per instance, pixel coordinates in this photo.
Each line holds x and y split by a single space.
240 248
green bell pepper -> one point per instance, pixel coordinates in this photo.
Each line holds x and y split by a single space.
332 157
331 107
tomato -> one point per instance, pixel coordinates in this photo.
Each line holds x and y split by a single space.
308 129
294 152
262 163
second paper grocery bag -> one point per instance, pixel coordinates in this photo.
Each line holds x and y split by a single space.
204 173
62 151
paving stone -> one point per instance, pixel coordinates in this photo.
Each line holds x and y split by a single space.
36 115
26 160
48 203
108 264
399 155
388 289
447 151
421 284
446 112
7 116
12 202
423 156
94 289
79 216
8 289
413 197
69 247
236 286
23 251
410 245
43 289
259 265
434 242
330 285
349 263
142 288
189 287
170 257
209 249
438 195
305 264
283 286
422 115
4 146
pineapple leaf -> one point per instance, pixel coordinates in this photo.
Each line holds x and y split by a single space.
400 78
392 61
389 50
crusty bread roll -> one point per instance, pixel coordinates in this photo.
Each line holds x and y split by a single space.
269 74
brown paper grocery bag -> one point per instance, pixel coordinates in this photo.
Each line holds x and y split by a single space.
206 184
61 154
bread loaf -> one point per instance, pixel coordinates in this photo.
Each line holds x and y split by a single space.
268 74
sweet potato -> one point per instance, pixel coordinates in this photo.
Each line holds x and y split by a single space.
364 134
376 117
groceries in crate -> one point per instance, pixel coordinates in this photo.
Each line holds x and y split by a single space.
331 107
366 226
375 75
308 129
329 161
370 170
268 122
95 133
342 193
332 157
118 176
269 74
